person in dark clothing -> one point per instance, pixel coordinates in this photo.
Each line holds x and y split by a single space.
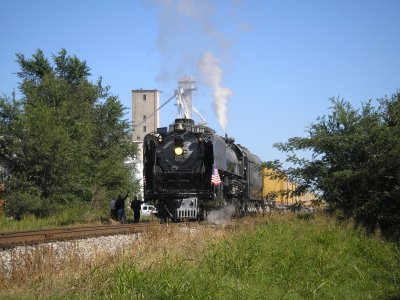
135 205
120 207
113 210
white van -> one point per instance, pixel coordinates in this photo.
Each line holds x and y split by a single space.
147 210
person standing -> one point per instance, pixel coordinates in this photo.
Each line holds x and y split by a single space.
120 207
135 205
113 210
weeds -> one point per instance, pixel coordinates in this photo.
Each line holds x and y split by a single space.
279 256
76 215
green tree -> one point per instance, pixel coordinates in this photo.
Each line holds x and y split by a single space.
65 141
355 162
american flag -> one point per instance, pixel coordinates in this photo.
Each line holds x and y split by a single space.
215 180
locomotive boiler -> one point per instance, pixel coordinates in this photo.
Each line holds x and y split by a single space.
189 171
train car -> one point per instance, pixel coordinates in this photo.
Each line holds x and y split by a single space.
278 191
189 171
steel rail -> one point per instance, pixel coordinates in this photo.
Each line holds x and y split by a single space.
29 237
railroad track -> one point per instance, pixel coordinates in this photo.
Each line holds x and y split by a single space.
29 237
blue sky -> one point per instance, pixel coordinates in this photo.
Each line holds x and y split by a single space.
278 62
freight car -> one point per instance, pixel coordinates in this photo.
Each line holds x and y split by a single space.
190 171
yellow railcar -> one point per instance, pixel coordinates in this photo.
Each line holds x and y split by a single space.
278 189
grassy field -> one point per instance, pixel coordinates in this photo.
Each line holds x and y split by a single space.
275 257
73 216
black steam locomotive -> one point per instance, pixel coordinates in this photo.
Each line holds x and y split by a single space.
189 171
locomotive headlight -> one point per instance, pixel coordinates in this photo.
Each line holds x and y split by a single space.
178 151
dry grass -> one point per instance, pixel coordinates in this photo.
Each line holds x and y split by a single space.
43 271
282 256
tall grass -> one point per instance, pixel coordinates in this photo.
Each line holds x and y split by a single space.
76 215
283 258
69 216
276 257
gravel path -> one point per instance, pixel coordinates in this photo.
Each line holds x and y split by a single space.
86 249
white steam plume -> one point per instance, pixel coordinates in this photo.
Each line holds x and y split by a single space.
221 216
187 36
210 69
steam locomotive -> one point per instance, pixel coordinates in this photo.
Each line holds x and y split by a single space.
190 171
